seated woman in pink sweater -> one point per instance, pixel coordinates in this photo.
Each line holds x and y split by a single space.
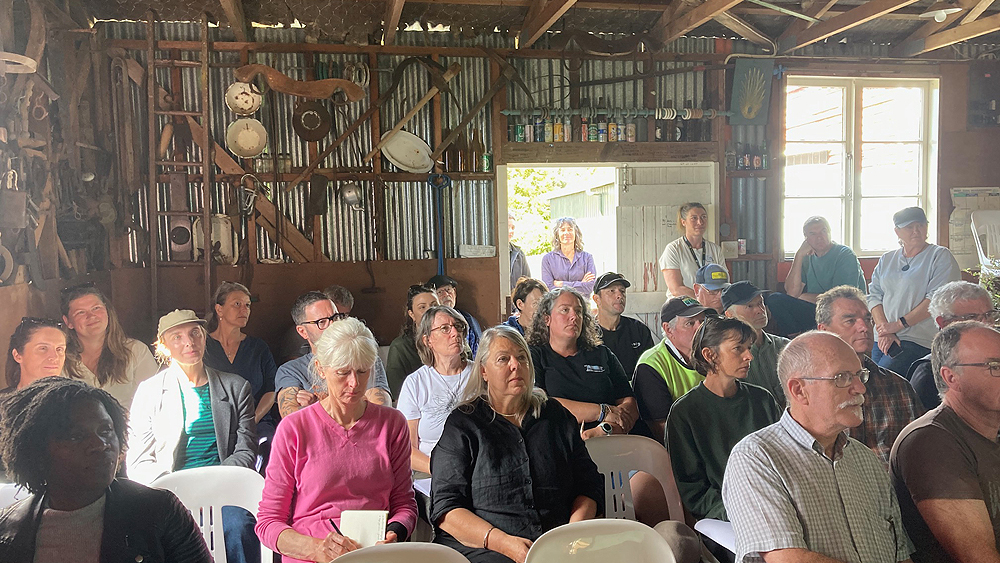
341 453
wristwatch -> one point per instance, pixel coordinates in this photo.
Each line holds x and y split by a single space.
608 430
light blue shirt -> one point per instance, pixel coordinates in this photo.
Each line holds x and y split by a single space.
899 291
297 373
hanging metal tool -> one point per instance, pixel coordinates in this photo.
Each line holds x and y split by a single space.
439 182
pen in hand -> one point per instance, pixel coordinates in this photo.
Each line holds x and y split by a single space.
335 528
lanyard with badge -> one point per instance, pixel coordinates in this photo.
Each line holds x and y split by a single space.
695 256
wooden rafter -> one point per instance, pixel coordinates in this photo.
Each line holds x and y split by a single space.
815 9
950 36
931 27
744 29
236 18
839 24
393 10
666 30
976 11
547 16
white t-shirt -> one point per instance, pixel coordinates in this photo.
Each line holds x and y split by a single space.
141 367
430 397
677 256
73 535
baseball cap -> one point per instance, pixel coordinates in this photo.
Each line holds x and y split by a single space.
739 293
682 307
609 278
174 318
909 215
712 276
441 280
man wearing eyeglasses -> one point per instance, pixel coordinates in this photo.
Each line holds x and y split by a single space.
297 388
890 403
952 302
802 490
946 464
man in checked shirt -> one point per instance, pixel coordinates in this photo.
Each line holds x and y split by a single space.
890 402
803 491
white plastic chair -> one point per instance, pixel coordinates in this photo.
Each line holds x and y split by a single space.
205 490
616 456
600 541
719 531
986 232
11 493
409 552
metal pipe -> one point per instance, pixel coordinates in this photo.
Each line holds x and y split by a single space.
785 11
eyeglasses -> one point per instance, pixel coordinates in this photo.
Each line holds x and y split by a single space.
846 378
448 329
323 323
993 366
991 317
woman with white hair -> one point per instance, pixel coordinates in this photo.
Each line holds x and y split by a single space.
567 265
340 453
510 464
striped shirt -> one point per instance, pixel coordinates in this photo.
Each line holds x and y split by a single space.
764 366
200 446
781 491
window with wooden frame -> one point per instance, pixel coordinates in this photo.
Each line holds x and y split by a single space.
856 151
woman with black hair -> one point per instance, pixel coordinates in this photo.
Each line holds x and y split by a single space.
63 440
403 358
705 423
37 349
99 352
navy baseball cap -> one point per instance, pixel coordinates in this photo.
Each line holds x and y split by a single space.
609 278
441 280
682 307
712 276
739 293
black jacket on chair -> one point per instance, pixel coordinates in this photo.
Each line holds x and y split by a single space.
140 525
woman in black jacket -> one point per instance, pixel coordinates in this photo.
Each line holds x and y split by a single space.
64 441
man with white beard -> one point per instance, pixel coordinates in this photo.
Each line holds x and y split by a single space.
801 490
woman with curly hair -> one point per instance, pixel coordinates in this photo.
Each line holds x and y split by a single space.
567 265
99 352
63 440
574 368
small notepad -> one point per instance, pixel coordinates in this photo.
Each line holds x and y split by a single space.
367 527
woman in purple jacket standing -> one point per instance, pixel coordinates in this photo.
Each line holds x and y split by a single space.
567 265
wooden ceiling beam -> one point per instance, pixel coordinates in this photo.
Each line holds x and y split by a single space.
740 26
813 9
393 11
547 16
839 24
931 27
236 18
975 11
668 29
949 37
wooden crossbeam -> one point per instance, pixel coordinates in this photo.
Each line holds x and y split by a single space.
975 11
816 9
839 24
548 15
673 28
950 36
237 20
738 25
393 10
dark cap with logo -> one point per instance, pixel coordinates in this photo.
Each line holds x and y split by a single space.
739 293
441 280
712 276
909 215
606 279
682 307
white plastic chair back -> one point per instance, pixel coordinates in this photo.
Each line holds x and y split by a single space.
11 493
409 552
719 531
616 456
600 541
986 232
205 490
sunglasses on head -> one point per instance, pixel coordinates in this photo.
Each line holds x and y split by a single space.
39 321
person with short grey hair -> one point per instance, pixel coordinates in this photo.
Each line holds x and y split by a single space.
952 302
568 265
801 489
518 261
890 403
819 265
946 464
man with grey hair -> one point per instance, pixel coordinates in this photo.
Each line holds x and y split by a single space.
518 261
802 490
946 464
952 302
819 265
890 403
